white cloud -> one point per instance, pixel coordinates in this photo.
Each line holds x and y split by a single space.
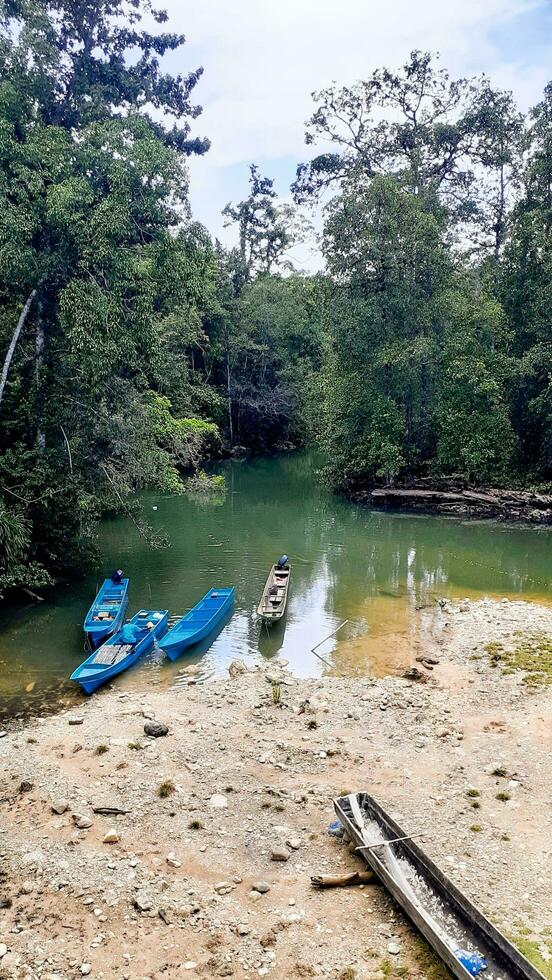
263 59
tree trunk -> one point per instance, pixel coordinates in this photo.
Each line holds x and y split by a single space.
13 343
39 357
229 393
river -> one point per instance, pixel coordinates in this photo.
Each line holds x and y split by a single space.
370 567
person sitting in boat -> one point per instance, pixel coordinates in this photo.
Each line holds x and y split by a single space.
130 633
117 576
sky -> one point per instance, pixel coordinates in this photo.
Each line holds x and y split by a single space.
262 59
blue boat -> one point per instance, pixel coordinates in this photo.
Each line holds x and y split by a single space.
107 613
198 622
122 650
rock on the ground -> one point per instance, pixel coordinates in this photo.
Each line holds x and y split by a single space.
112 837
218 801
59 806
82 822
155 729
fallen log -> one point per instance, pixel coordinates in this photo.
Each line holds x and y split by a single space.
339 881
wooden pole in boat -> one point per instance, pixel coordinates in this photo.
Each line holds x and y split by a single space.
394 840
319 644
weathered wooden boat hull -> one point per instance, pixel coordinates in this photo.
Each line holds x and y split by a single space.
94 672
273 615
442 913
112 598
198 623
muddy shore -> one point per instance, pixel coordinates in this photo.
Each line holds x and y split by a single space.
185 881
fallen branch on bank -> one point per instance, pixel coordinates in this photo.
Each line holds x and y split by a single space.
339 881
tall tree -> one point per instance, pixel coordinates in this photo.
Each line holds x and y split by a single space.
264 230
92 187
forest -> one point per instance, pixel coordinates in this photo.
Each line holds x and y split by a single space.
134 347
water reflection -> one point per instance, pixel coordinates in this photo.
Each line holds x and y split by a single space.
370 567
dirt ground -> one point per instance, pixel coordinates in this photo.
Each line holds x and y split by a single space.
185 881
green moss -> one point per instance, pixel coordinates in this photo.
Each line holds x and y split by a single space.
428 963
531 653
530 949
136 746
476 827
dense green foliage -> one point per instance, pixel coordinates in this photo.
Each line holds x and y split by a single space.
133 347
438 256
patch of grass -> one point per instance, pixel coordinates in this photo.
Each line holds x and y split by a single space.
136 746
429 965
531 653
266 804
505 837
279 807
101 749
347 974
276 694
475 804
500 771
386 968
530 950
312 723
476 827
166 789
195 825
31 740
473 793
228 789
503 797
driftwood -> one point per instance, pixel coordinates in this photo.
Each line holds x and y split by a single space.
108 811
339 881
33 595
448 499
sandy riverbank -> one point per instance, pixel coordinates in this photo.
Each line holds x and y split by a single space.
241 777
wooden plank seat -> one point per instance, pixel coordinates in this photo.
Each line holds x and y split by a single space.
111 653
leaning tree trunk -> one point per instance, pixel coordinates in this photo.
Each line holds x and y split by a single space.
8 358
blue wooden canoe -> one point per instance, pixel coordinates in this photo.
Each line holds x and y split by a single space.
198 623
107 613
117 655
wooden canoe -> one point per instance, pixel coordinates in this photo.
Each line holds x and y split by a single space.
275 594
460 934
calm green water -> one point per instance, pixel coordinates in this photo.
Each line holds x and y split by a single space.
371 567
